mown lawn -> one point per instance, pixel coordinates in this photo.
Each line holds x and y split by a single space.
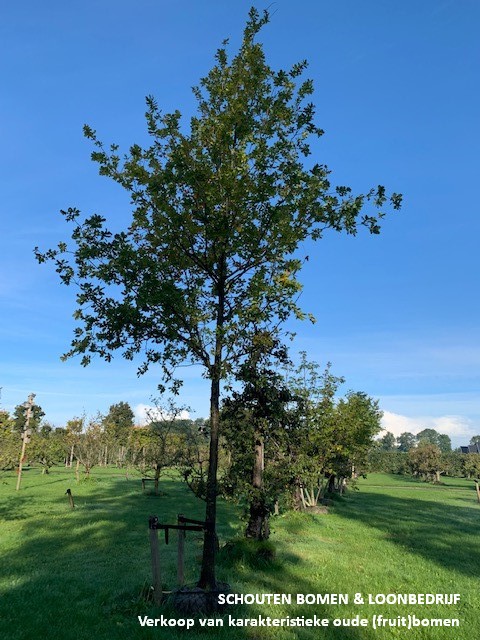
80 574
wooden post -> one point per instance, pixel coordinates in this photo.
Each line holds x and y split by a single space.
478 490
70 498
156 575
25 436
181 550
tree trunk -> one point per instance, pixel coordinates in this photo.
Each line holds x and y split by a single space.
210 541
207 574
71 456
298 502
331 483
258 526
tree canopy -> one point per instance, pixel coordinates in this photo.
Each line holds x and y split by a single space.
20 416
431 436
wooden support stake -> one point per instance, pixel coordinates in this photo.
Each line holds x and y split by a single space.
478 490
181 550
25 436
157 578
70 498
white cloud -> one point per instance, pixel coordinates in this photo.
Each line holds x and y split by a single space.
458 427
145 413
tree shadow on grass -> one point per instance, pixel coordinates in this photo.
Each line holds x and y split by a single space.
80 573
439 532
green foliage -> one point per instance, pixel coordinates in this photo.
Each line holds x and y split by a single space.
312 441
254 423
427 461
89 449
19 417
357 422
194 459
158 445
406 441
453 464
306 433
387 461
441 440
471 465
47 449
118 422
387 442
10 442
219 210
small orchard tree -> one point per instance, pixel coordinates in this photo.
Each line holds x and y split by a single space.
10 442
253 424
73 430
427 461
90 446
311 442
47 449
471 465
193 460
220 209
357 420
158 445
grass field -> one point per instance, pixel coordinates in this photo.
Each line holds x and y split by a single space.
83 573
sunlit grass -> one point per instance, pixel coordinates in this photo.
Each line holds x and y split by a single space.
85 572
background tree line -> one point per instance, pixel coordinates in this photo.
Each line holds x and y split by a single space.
427 455
285 438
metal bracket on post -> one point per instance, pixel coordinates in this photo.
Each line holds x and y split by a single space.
183 525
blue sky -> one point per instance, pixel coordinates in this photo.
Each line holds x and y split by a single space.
398 96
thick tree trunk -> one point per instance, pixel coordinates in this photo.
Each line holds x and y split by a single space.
207 575
258 525
210 542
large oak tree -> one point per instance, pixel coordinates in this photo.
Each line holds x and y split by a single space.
220 208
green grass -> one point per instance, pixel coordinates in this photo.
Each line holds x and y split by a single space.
84 573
